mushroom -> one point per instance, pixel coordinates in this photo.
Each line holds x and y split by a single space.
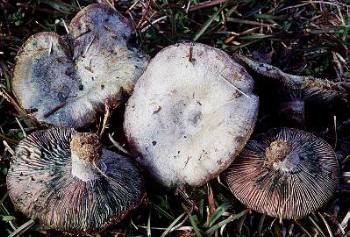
191 113
286 173
65 80
69 182
311 88
296 92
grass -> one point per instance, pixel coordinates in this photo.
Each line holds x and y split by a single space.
300 37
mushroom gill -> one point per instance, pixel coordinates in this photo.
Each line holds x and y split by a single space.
286 173
69 182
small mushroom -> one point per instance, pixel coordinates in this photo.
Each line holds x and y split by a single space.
191 113
67 181
286 173
65 80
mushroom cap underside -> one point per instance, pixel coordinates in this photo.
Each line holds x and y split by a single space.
42 186
286 173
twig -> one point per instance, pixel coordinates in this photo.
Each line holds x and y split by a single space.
109 106
54 110
182 192
145 12
12 101
10 140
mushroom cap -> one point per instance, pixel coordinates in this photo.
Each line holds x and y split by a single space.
286 173
191 113
65 80
41 184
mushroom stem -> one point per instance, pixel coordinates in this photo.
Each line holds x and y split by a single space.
85 151
277 151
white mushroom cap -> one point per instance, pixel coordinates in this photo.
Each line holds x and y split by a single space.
191 113
65 80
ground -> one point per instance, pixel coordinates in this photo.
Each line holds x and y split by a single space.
300 37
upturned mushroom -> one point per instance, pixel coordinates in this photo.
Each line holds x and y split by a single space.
295 91
65 80
191 113
286 173
67 181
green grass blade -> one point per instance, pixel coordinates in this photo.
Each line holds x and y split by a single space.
218 213
194 221
224 222
208 23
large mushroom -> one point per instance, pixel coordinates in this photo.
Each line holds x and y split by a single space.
65 80
191 113
67 181
286 173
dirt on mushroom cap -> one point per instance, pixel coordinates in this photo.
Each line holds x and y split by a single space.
289 187
191 112
65 80
41 185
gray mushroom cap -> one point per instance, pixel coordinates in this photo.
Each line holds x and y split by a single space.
285 173
191 113
65 80
69 182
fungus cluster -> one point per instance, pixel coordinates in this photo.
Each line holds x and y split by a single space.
191 113
63 178
65 80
